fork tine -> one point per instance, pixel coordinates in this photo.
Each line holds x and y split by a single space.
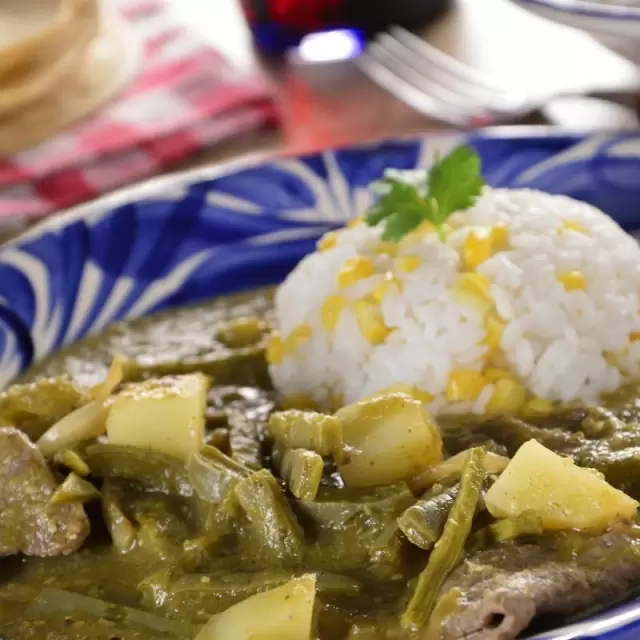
397 65
462 80
435 83
446 62
420 92
411 95
424 71
400 60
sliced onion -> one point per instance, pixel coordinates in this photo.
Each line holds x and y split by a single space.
452 468
100 392
80 425
88 421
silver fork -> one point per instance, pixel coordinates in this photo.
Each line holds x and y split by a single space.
440 86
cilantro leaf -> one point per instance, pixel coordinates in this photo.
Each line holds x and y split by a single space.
397 225
455 181
453 184
400 207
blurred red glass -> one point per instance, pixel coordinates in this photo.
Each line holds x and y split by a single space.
280 24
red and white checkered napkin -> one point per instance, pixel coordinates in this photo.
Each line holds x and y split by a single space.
186 97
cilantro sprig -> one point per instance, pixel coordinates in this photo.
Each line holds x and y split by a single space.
453 184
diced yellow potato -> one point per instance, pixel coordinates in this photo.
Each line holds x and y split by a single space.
165 415
284 613
561 494
388 438
408 389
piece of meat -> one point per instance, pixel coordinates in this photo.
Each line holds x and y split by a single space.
28 523
504 588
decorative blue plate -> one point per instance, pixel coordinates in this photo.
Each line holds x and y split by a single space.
614 23
601 9
180 239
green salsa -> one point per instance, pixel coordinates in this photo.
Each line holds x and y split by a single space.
174 542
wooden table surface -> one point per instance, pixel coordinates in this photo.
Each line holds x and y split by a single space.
323 107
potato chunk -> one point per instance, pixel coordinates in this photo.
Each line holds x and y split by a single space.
165 415
389 438
561 494
284 613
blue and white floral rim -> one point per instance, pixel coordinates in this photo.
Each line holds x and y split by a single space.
183 238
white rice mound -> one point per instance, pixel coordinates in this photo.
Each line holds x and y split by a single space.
561 344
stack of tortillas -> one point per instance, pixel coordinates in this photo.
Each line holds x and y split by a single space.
59 61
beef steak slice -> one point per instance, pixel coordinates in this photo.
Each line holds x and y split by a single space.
28 523
502 589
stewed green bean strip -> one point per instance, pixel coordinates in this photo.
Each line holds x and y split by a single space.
244 440
157 471
214 454
449 471
74 489
242 332
280 539
212 474
308 430
246 366
449 548
526 524
218 436
278 452
218 590
123 532
423 522
52 602
302 470
73 461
